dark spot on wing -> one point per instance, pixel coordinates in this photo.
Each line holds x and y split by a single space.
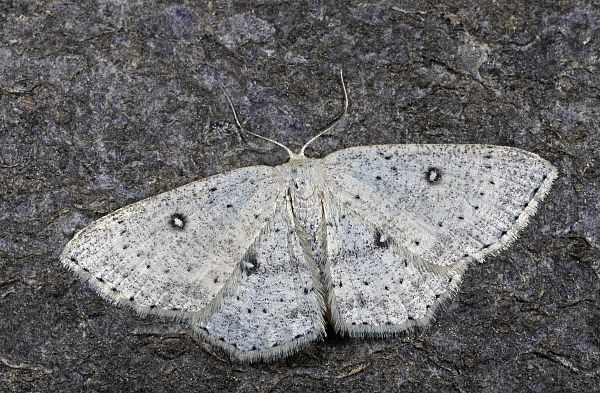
380 243
433 175
178 221
250 264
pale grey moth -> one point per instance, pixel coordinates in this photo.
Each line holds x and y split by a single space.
371 238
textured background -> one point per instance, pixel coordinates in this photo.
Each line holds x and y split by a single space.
105 102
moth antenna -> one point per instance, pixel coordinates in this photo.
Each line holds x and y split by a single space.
335 123
237 122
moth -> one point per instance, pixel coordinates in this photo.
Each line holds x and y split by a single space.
371 239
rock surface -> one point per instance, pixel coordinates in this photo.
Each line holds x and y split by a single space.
105 102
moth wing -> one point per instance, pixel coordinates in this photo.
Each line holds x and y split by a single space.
442 203
404 221
176 253
373 288
275 309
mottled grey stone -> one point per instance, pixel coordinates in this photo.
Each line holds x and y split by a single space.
105 102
